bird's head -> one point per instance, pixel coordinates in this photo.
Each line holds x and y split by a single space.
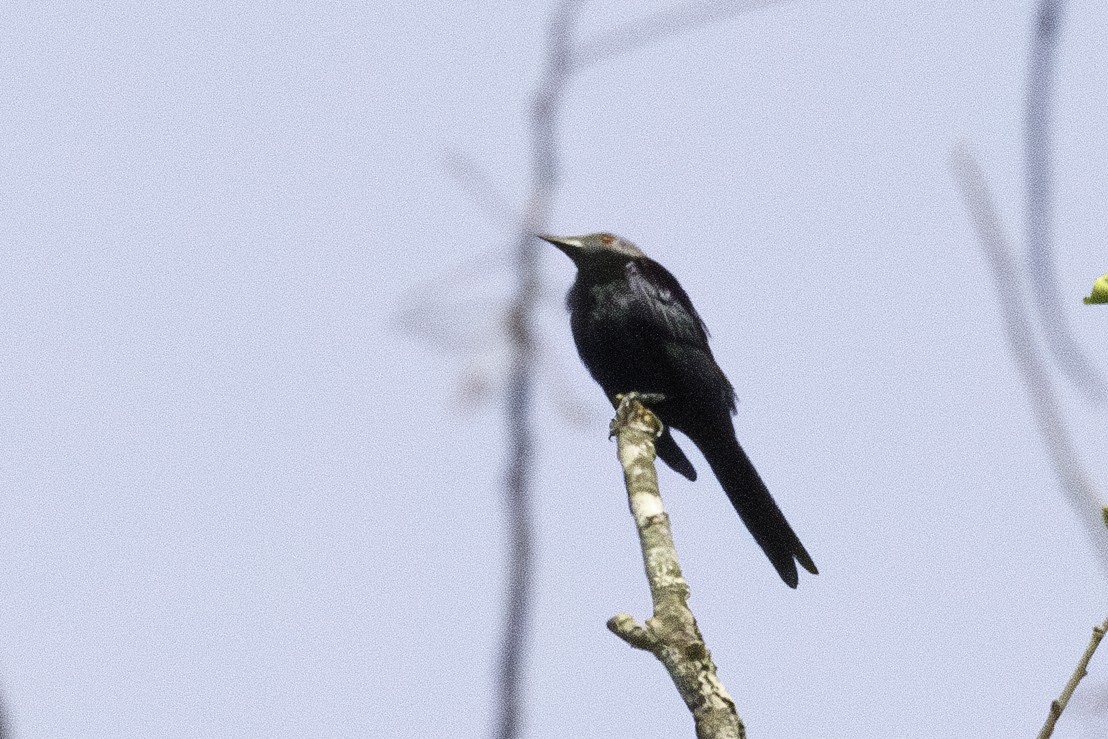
595 249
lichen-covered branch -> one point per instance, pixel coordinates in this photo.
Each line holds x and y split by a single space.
671 634
1058 705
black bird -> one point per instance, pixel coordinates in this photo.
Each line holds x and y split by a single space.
636 330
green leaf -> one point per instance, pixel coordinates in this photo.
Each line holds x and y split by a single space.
1100 291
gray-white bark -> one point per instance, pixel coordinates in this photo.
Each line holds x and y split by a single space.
671 634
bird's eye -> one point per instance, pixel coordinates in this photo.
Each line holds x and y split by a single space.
607 239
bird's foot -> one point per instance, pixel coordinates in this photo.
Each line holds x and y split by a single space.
635 407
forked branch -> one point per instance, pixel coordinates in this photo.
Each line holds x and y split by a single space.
671 634
1059 704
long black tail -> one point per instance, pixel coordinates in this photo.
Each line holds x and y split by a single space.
756 506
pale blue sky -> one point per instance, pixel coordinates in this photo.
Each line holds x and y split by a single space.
240 502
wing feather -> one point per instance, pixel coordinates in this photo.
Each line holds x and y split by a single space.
667 302
670 313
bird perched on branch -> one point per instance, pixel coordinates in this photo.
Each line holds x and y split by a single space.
637 331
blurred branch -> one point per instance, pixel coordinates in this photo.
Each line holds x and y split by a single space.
656 27
1040 206
671 634
1076 483
545 106
476 183
451 310
1082 669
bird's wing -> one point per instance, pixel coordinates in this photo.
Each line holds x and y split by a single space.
668 304
673 321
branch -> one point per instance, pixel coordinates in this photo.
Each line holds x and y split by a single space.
562 59
1076 482
1040 205
671 634
1059 705
656 27
545 106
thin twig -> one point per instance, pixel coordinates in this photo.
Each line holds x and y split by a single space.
1078 486
671 634
1040 206
656 27
1082 669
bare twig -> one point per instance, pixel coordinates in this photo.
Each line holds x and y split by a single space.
1076 482
656 27
1039 223
1058 705
671 634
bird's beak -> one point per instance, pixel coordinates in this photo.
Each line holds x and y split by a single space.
568 244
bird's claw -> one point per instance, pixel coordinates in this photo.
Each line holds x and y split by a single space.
628 407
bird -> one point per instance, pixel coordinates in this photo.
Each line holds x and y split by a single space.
636 330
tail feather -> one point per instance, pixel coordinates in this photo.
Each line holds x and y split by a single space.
756 507
668 451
